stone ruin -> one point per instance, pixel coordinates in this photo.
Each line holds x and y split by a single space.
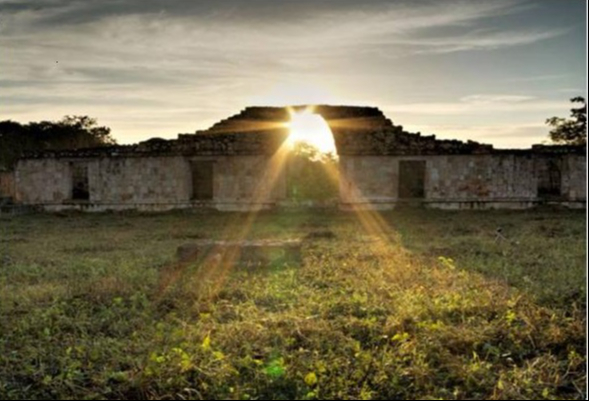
231 166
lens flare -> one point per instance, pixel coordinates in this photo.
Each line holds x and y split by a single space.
312 129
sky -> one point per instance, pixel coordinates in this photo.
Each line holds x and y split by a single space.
489 71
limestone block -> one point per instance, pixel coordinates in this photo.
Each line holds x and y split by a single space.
258 253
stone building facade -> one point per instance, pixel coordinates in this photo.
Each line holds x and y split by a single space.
237 165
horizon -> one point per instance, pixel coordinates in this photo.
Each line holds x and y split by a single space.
309 140
490 72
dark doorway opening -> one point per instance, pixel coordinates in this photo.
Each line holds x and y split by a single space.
412 179
80 187
549 178
202 180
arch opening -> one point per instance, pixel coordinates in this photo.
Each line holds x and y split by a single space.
306 127
313 171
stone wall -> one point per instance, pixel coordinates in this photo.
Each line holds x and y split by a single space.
42 181
487 177
139 180
574 181
249 180
461 181
244 152
150 183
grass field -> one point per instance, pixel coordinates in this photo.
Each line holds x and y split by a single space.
407 304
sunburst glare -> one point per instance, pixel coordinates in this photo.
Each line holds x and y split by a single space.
312 129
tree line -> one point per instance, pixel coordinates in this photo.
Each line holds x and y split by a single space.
71 132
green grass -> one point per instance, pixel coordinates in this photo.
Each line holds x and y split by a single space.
418 304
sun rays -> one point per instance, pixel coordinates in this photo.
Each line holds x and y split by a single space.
310 128
214 267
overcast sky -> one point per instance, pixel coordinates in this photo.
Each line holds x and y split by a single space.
490 71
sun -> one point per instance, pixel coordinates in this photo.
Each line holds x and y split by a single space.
312 129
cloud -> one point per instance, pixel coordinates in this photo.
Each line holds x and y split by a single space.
159 42
230 34
487 99
481 40
521 135
267 21
162 41
480 104
573 90
148 60
415 13
548 77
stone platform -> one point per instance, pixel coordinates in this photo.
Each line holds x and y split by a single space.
258 253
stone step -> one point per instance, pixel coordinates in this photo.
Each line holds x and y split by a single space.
257 253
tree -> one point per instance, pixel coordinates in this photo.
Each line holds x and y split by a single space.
71 132
572 131
312 175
